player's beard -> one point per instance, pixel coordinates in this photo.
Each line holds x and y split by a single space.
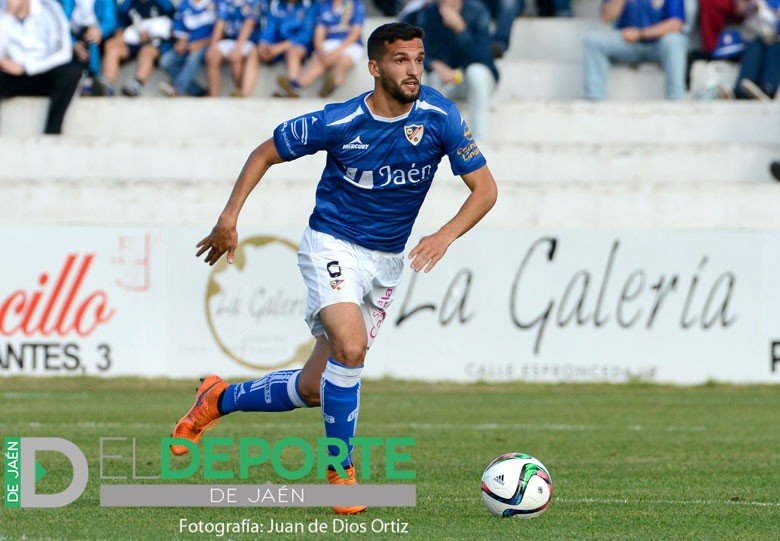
396 90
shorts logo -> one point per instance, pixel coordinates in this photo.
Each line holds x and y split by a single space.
334 269
414 133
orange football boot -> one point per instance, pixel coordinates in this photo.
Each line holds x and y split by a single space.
335 479
202 415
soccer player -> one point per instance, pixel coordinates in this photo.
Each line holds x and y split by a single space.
383 147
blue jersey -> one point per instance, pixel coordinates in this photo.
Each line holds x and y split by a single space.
644 13
194 20
339 22
290 20
378 170
235 12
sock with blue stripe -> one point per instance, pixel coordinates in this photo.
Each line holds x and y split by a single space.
277 391
340 399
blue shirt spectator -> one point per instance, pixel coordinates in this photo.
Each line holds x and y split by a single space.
644 13
192 29
235 12
644 31
458 50
338 21
290 20
194 20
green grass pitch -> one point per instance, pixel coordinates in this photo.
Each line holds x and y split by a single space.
628 461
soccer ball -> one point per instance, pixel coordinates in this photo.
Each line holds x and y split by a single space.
515 484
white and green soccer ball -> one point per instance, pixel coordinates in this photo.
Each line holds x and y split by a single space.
516 485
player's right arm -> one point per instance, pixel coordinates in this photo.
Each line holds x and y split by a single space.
224 236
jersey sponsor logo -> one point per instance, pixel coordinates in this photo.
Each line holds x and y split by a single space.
471 149
414 133
355 144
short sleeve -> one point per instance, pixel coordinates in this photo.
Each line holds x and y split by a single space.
462 150
300 136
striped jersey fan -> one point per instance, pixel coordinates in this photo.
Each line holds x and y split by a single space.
516 485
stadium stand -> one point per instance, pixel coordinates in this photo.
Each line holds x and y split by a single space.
633 161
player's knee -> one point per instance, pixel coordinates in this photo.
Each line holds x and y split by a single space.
351 353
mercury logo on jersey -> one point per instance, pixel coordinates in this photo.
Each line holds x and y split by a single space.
355 144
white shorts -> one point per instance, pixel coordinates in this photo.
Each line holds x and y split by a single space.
156 27
354 51
226 46
335 271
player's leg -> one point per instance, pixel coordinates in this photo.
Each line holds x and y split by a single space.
340 388
281 390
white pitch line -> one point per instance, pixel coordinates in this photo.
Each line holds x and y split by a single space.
612 501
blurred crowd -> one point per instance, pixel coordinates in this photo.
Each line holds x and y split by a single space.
56 48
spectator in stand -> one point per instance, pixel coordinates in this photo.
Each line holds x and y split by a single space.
231 42
337 47
759 69
144 32
90 22
193 25
504 13
645 31
714 15
35 56
458 60
288 35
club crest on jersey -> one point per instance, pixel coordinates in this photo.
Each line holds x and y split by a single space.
414 133
337 284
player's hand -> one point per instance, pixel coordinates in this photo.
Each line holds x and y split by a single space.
223 238
429 251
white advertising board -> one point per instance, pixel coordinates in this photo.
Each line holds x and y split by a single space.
552 306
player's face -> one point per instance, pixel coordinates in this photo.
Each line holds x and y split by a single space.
401 69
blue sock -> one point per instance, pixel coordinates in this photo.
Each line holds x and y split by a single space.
340 399
277 391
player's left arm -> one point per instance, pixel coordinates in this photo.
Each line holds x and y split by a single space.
483 196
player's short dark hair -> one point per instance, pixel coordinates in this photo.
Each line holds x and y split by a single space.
388 33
